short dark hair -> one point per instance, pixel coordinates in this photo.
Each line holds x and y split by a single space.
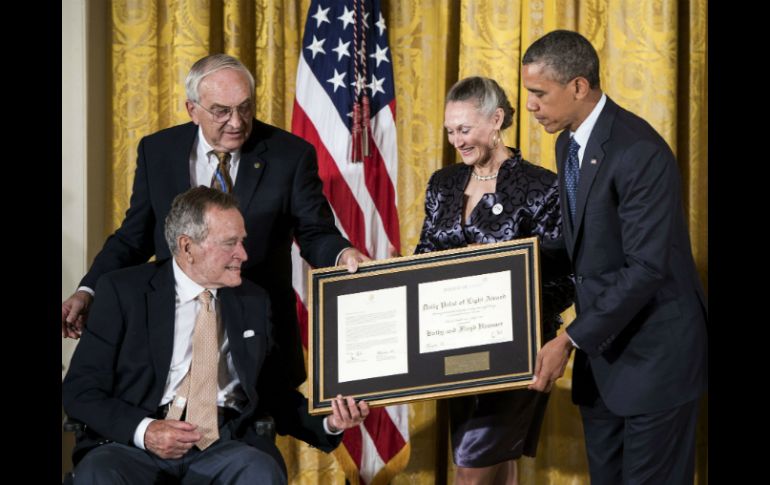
486 94
188 211
568 55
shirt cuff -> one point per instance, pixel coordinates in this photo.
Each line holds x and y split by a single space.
139 433
87 290
337 261
328 431
570 339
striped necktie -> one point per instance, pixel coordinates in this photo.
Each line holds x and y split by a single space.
221 179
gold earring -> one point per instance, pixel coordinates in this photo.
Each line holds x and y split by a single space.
496 139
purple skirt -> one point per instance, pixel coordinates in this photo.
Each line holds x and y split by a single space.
488 429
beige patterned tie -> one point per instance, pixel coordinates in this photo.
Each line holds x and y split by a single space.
198 389
221 179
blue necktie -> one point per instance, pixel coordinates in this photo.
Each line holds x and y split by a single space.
571 174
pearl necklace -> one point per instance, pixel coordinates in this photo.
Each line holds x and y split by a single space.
484 178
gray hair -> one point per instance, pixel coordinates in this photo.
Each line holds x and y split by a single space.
188 214
568 55
209 65
486 94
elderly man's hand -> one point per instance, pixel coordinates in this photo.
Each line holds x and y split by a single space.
350 257
346 413
169 438
74 311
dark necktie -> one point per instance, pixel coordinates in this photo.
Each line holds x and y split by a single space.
571 175
221 179
198 390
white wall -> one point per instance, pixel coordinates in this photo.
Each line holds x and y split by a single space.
73 150
85 139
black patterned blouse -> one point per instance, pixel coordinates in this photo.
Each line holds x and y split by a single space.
525 203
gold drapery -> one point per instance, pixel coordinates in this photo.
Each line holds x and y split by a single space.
653 58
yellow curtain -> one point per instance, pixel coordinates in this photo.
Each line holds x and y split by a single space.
653 58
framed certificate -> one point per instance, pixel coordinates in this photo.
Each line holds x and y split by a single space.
441 324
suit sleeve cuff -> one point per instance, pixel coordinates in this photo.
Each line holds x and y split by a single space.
139 433
571 340
328 431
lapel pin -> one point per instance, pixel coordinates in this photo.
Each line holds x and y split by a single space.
248 333
593 161
257 164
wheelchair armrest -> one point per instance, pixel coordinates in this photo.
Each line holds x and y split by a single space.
265 427
71 425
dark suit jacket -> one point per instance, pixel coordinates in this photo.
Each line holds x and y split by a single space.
119 369
641 312
280 197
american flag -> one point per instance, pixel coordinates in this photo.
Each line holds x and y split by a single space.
345 106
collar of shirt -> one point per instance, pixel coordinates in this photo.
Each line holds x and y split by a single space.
203 163
186 288
583 132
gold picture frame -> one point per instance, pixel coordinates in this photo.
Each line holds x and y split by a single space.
401 352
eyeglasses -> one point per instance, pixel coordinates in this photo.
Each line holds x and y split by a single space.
222 114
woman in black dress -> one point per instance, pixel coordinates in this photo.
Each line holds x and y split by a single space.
494 195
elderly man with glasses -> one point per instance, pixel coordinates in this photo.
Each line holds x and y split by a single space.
272 173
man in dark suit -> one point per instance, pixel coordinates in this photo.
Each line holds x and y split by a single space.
640 328
273 174
132 366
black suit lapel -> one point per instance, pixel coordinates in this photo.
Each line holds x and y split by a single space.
593 157
251 166
160 321
181 158
234 321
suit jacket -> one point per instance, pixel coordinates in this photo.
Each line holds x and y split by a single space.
528 197
280 197
641 312
119 369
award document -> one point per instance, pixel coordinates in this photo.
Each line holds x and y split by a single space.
465 312
372 334
442 324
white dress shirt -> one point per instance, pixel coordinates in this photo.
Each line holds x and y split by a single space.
583 133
